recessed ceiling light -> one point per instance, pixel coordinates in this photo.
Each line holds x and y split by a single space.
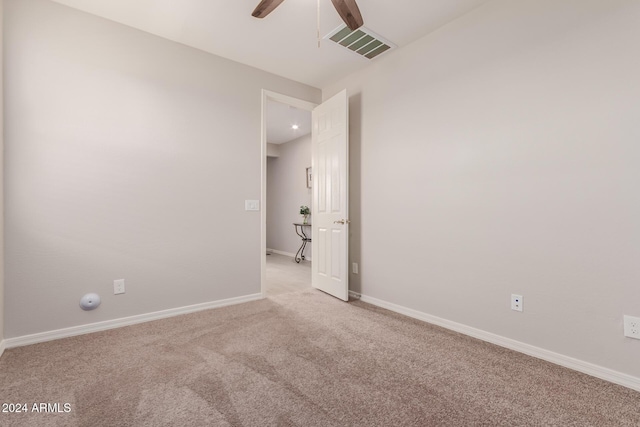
295 127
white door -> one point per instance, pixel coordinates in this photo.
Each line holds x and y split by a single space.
330 210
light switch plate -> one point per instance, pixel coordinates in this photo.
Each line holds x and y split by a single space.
252 205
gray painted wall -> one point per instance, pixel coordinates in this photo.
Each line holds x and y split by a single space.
128 156
273 150
1 176
500 155
286 192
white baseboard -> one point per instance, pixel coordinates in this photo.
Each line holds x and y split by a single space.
540 353
118 323
275 251
2 347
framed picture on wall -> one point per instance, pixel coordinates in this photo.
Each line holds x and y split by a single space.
309 177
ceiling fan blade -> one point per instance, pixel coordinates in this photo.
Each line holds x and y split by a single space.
265 7
349 12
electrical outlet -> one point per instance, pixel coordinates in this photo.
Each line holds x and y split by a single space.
517 303
632 327
354 268
118 286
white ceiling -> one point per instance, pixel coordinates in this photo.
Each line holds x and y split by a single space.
285 42
281 118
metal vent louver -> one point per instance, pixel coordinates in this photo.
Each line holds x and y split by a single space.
362 41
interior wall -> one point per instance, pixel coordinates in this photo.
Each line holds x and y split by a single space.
1 177
273 150
286 192
500 155
127 157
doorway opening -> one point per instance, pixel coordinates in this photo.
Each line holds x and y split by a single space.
286 159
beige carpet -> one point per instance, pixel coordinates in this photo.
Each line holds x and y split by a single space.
300 359
285 275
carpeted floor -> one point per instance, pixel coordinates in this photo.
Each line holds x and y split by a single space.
300 359
285 275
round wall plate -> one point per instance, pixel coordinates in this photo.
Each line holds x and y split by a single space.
90 301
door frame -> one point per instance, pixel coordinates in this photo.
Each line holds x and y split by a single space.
294 102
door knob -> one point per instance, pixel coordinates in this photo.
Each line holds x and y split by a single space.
342 221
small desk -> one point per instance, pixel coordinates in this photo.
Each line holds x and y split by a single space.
305 239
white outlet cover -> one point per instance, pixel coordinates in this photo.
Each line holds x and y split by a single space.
517 302
118 287
632 327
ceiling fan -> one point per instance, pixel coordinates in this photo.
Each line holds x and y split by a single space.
347 9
